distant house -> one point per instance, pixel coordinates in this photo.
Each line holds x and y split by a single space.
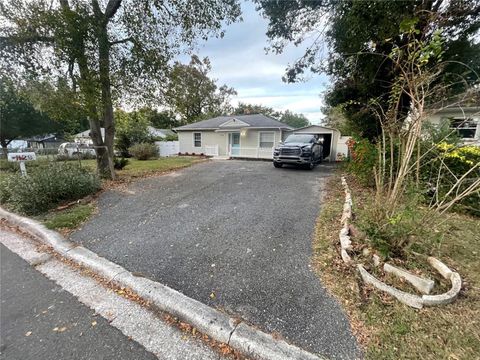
48 141
244 136
464 120
162 133
84 136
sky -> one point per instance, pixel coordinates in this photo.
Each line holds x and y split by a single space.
239 60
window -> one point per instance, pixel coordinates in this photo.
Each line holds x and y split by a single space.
266 139
466 127
197 139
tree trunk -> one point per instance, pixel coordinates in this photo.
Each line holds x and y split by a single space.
104 68
4 144
104 165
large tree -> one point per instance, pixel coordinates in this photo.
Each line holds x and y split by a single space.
246 109
193 95
353 40
294 120
164 119
111 50
18 117
61 104
288 117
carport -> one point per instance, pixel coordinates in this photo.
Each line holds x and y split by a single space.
334 145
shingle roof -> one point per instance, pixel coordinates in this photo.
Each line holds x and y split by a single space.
253 120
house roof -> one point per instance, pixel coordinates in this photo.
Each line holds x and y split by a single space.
314 127
86 134
252 121
167 131
41 138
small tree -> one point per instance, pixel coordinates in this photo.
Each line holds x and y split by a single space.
294 120
193 95
18 117
246 109
132 128
159 119
400 154
112 50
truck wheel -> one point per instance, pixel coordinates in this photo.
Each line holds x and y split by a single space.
277 164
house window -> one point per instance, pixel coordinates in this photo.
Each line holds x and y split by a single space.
197 139
266 139
465 127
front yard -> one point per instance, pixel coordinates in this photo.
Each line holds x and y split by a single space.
386 328
139 168
70 215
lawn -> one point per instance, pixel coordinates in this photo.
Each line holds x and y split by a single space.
138 168
71 217
386 328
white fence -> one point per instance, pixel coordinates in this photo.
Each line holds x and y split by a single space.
168 148
251 152
211 150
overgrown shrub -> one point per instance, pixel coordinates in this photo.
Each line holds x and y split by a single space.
446 164
46 186
363 157
120 163
47 151
132 128
392 234
143 151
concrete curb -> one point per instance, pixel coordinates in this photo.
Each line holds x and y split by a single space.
406 298
345 242
240 336
423 285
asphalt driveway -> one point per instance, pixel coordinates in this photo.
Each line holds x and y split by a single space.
236 235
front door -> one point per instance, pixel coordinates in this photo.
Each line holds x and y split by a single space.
234 143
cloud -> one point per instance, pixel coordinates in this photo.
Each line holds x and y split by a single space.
240 61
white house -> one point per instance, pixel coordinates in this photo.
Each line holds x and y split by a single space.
84 136
464 120
243 136
252 136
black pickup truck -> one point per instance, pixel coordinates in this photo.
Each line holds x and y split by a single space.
299 149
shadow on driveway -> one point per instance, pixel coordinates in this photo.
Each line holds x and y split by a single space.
236 235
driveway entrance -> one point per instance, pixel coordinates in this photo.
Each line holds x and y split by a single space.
236 235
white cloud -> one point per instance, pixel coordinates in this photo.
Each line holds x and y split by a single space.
239 60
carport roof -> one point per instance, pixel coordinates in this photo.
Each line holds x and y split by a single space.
250 121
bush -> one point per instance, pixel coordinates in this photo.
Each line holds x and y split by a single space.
132 128
120 163
392 234
46 186
452 162
47 151
363 158
144 151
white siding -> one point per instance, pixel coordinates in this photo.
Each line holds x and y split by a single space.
249 141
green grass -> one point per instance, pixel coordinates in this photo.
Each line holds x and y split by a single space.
138 168
73 217
386 328
135 168
69 218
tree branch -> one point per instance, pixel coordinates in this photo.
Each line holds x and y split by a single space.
12 40
112 7
122 41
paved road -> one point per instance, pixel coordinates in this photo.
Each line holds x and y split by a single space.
236 235
33 305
